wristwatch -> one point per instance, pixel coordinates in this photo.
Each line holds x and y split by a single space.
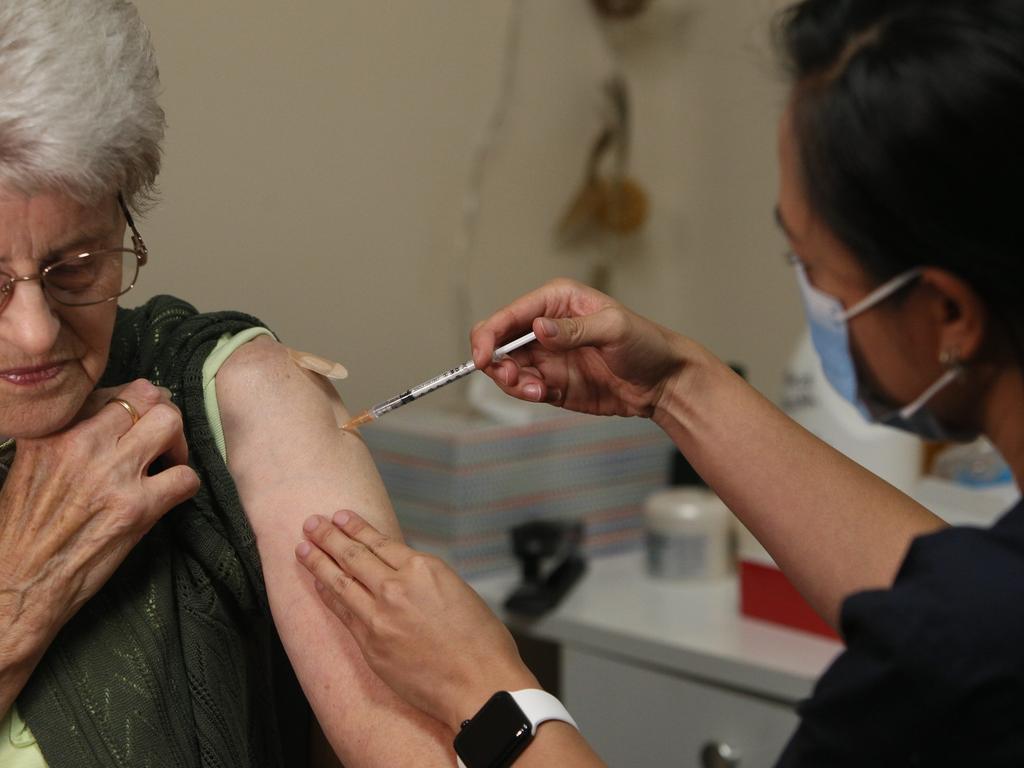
496 735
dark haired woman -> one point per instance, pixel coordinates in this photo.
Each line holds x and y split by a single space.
901 170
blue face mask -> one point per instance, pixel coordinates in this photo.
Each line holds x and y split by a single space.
829 332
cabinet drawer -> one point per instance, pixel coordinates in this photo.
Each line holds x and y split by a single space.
636 716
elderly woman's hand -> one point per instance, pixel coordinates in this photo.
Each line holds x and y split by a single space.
76 502
422 629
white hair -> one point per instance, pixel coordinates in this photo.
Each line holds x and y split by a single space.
78 100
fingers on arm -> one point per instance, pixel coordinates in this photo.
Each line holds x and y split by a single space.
387 549
350 539
333 562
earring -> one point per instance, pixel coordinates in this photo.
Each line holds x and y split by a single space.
950 357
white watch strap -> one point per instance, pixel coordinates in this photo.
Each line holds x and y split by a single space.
540 706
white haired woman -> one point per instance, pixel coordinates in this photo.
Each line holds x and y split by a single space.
149 611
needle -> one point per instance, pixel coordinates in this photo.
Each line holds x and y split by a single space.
431 385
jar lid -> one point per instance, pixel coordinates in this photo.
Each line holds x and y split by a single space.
684 509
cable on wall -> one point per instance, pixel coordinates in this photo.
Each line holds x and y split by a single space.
472 200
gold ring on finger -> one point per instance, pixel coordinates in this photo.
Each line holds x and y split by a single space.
128 407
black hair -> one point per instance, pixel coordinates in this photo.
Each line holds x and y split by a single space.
909 118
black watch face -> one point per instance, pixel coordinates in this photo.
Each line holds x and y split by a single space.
496 734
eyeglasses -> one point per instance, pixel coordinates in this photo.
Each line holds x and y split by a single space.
89 278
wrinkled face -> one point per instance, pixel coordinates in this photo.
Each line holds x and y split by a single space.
51 356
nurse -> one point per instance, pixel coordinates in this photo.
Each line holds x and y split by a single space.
901 153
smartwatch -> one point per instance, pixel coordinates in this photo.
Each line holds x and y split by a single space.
496 735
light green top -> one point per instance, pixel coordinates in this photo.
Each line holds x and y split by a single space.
226 346
18 747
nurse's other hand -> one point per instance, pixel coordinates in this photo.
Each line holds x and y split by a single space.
592 354
421 628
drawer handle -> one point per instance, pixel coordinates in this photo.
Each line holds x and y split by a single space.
717 754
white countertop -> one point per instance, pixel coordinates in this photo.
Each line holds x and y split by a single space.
691 629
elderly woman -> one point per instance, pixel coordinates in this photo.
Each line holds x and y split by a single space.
150 610
901 171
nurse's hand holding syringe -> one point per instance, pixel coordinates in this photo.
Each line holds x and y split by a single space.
593 354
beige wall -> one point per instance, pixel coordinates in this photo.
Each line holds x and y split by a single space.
318 153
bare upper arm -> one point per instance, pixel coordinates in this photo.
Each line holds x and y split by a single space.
280 424
290 460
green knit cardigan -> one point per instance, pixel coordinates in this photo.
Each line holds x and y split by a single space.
175 662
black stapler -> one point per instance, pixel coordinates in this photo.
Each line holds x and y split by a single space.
551 564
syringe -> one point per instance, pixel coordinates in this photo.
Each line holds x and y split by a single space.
415 393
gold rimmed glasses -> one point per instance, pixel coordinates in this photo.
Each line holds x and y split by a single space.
89 278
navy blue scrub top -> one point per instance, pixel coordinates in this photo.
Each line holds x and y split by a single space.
933 672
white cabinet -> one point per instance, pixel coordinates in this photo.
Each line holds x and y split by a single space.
634 716
655 670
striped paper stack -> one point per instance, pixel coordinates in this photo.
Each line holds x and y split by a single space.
459 482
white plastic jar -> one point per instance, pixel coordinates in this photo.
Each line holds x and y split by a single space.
688 534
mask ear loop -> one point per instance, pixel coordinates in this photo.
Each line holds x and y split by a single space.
882 293
954 370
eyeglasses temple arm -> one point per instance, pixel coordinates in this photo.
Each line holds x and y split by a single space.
137 240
